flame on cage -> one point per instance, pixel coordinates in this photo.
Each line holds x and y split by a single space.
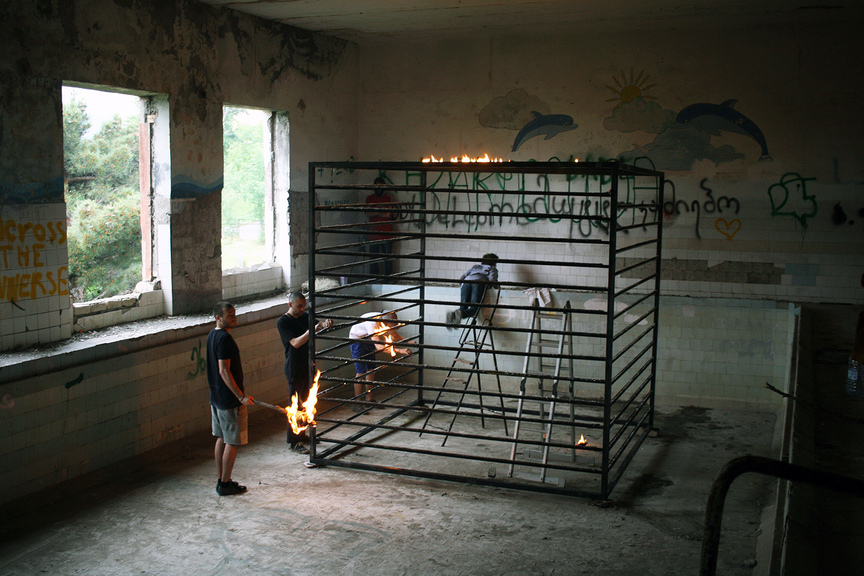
381 329
301 419
389 347
465 158
582 440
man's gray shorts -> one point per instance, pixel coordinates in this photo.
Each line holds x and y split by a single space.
231 425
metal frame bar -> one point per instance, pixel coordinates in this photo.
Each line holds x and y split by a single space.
608 390
778 469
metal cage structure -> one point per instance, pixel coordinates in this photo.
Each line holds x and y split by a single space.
550 385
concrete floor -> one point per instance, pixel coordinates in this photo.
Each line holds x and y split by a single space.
165 517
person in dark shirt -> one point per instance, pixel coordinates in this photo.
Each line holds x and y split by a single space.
228 401
293 327
473 289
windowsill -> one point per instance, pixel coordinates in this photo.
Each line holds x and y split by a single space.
86 347
256 279
145 303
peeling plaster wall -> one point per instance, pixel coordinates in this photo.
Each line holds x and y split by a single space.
738 224
94 405
201 58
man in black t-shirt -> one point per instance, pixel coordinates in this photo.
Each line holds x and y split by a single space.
228 401
293 327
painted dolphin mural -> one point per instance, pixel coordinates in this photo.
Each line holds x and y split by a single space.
549 124
712 118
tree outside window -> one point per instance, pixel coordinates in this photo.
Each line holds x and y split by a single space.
102 195
245 149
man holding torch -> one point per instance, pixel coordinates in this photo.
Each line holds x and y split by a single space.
228 401
293 327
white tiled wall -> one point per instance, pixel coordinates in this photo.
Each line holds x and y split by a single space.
34 306
711 352
106 400
811 257
260 279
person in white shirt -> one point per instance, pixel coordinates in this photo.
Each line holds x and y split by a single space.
369 337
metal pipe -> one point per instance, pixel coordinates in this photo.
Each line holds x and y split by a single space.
770 467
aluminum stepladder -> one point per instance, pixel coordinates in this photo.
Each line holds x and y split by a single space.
551 332
476 338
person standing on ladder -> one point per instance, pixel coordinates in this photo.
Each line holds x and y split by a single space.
474 284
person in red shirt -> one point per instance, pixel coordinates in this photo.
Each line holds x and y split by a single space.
380 230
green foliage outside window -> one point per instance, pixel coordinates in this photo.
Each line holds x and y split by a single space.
102 204
103 199
243 192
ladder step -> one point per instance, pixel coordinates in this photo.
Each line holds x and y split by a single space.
463 361
538 478
461 380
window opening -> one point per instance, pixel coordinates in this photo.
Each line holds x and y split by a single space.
247 152
101 163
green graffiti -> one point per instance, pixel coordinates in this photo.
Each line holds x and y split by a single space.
780 196
527 206
76 381
200 362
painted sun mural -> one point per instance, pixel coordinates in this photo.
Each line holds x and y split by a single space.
629 88
683 137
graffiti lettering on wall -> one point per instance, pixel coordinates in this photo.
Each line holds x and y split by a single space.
23 248
476 201
488 208
789 197
531 200
336 172
674 208
200 361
